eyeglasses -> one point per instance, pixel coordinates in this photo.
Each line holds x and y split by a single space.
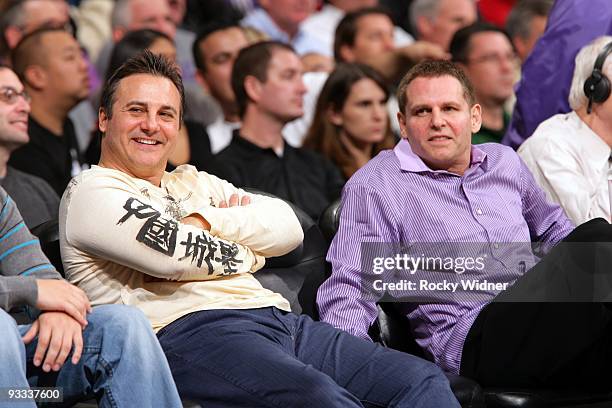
10 95
495 58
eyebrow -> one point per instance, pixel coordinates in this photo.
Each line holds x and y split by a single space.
141 103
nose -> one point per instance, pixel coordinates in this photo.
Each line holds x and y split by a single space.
379 111
437 119
389 43
83 63
301 87
149 124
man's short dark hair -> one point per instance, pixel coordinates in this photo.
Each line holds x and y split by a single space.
29 50
346 30
203 33
143 63
435 69
518 23
253 61
460 44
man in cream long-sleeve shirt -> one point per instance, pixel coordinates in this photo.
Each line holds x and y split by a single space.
109 351
181 246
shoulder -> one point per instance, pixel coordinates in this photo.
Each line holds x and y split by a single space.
380 168
557 131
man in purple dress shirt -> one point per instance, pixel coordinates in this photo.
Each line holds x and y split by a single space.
487 318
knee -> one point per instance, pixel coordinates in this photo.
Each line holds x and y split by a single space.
121 322
318 390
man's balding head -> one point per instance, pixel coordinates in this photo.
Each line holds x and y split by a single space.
130 15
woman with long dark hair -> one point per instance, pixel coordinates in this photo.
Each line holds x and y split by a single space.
351 123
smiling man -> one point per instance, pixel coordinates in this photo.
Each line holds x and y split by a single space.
35 199
436 187
182 247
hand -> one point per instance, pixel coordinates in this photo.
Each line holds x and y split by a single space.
423 50
58 333
235 200
197 221
60 296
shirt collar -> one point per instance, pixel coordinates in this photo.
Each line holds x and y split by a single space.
410 162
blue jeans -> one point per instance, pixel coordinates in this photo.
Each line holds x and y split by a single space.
269 358
122 362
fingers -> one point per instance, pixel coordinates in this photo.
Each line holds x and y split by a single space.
31 334
77 341
57 333
65 347
44 338
76 314
235 200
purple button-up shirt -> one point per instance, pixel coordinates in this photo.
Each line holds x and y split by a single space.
397 198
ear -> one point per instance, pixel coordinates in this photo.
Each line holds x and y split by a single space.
253 88
334 117
476 117
102 120
13 35
35 77
118 33
401 119
201 80
347 54
520 45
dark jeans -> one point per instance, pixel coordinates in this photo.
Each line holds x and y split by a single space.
553 327
269 358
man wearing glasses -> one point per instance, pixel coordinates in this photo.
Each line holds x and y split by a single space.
486 55
36 200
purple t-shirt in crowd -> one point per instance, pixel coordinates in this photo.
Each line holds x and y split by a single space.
397 198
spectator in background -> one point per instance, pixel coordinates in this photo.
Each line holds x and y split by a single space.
485 53
364 36
267 82
322 24
51 66
35 199
23 17
215 50
436 21
546 76
526 24
569 153
27 16
351 123
130 15
281 20
192 145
